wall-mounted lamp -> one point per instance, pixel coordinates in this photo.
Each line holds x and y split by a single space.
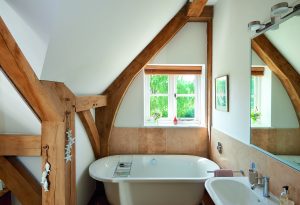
279 13
255 25
280 9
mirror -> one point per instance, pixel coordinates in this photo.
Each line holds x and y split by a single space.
274 120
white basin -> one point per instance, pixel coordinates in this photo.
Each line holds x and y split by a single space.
236 191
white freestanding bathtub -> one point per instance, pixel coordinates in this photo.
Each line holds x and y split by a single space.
153 179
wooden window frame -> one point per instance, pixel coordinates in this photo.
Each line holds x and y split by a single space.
172 103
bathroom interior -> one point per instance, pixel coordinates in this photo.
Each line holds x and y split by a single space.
140 102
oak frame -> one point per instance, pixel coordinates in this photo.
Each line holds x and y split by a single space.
105 116
50 101
50 104
285 72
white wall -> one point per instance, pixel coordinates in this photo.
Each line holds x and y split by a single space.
85 185
255 60
283 114
232 56
131 111
187 47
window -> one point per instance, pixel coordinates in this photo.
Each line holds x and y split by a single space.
255 99
170 96
255 93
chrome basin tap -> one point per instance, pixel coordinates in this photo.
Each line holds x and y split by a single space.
264 184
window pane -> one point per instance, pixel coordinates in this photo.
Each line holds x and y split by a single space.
159 106
185 107
159 84
185 84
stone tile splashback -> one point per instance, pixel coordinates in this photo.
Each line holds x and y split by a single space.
283 141
237 155
191 141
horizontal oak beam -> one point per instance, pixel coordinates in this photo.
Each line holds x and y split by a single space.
206 15
14 64
257 71
196 7
89 102
20 145
20 182
277 63
173 69
91 130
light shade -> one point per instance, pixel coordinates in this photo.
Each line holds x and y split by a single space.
255 25
279 9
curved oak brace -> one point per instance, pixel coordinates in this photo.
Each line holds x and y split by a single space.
105 116
91 130
285 72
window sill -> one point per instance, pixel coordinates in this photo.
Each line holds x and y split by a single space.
258 125
171 125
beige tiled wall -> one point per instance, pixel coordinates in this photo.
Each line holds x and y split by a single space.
277 141
237 155
191 141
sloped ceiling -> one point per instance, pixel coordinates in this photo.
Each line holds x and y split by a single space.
89 43
39 15
286 40
93 42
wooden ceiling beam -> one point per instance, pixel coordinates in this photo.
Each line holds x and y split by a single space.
105 116
89 102
20 145
21 183
277 63
14 64
91 130
206 15
196 7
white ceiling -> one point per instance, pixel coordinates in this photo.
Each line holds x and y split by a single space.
39 15
93 42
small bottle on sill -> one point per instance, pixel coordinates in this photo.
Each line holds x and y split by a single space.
175 121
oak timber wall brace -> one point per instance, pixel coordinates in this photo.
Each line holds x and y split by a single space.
277 63
49 101
105 116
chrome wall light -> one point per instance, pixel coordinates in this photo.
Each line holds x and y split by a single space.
279 13
280 9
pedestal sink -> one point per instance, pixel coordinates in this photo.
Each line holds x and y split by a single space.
236 191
